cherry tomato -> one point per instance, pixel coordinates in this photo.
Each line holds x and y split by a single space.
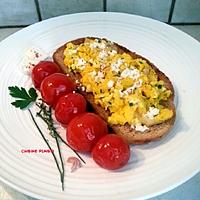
42 70
54 86
69 106
111 152
85 130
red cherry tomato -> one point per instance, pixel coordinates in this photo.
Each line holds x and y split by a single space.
85 130
69 106
54 86
42 70
111 152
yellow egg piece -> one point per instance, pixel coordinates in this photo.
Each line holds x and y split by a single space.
125 86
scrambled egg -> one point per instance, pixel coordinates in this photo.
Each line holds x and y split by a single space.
129 88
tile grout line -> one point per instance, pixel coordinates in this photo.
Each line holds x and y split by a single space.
185 23
104 5
171 11
37 5
173 23
14 26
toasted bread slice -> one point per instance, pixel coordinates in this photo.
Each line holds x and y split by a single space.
129 134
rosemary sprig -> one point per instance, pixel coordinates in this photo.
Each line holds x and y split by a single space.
71 149
45 114
62 164
56 161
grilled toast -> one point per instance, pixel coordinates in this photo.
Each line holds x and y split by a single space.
131 135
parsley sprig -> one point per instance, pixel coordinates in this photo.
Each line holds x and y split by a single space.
24 98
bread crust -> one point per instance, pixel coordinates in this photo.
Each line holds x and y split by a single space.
130 135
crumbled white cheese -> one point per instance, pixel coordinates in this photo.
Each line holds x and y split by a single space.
121 94
132 73
115 66
141 128
83 88
99 76
102 65
32 57
103 54
112 52
100 45
152 112
110 84
72 51
93 73
138 83
132 88
80 62
31 53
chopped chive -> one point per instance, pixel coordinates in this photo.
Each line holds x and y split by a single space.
130 103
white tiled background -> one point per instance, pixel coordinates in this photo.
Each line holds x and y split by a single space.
24 12
157 9
183 14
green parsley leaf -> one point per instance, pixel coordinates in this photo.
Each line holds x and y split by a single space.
24 98
32 93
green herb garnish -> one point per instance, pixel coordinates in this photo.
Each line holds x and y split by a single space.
45 114
130 103
118 73
24 98
52 152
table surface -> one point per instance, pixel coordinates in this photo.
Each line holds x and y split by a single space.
187 191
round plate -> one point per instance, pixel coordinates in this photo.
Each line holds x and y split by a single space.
153 168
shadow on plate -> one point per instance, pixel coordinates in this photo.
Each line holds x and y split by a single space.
180 126
136 160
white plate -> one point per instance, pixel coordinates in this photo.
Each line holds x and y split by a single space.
153 168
